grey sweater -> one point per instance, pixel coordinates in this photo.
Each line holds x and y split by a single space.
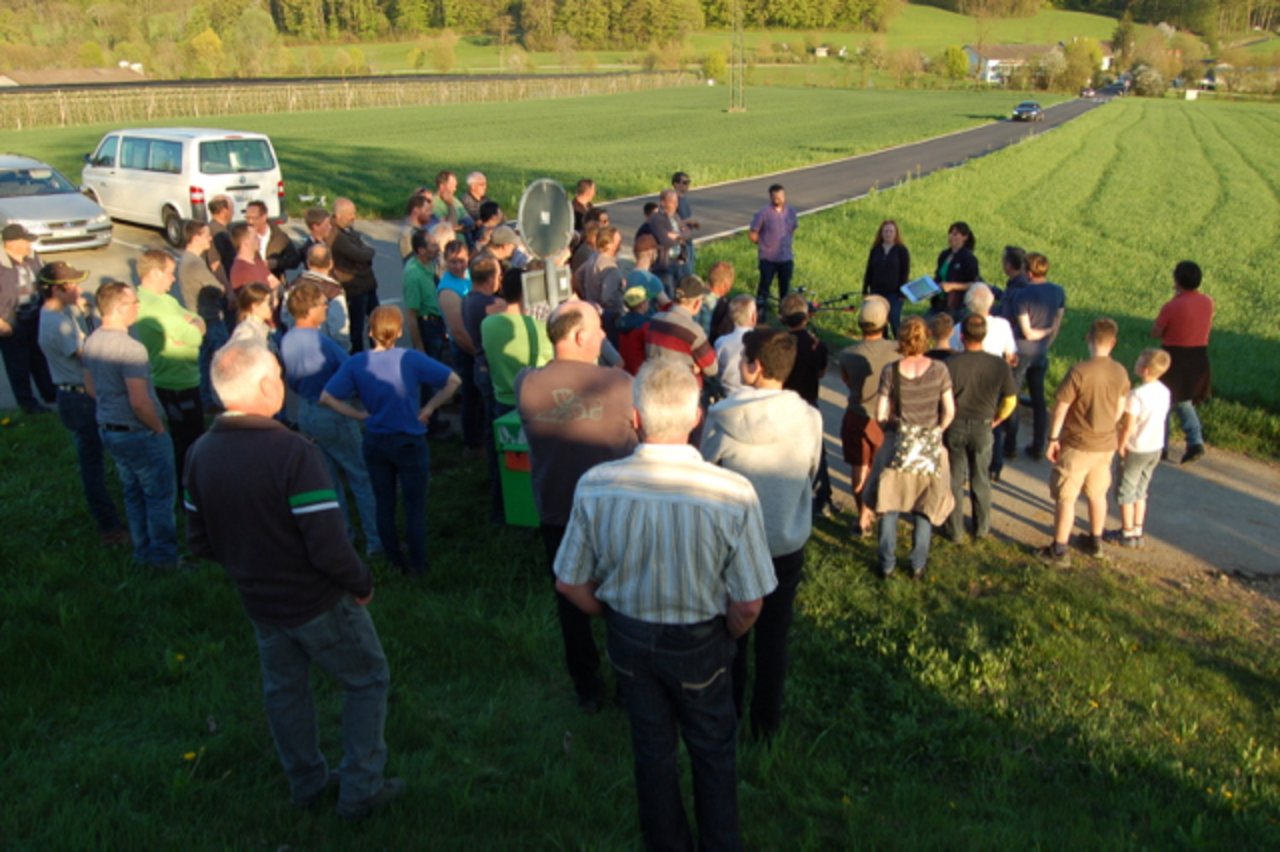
774 439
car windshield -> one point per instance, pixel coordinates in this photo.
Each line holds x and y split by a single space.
1028 105
41 180
229 156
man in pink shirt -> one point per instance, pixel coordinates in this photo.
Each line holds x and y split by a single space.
1183 326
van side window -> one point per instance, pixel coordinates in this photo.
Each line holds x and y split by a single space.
165 157
105 156
133 152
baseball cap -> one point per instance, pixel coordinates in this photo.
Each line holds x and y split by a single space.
16 232
874 311
503 235
60 272
635 296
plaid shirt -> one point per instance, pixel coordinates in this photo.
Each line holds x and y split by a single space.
670 538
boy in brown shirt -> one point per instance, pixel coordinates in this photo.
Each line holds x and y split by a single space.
1083 438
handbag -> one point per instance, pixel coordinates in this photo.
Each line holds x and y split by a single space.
917 449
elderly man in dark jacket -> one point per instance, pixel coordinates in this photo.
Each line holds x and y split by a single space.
20 320
353 267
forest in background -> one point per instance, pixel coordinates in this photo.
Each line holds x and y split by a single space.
213 38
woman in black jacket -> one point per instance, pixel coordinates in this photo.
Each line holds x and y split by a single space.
888 268
957 269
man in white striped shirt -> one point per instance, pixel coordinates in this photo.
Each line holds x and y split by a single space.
672 551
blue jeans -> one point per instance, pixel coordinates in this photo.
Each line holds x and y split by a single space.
1032 368
215 337
403 458
343 642
895 314
680 677
339 439
581 656
889 542
435 337
1188 420
464 364
969 444
782 269
24 362
78 413
144 461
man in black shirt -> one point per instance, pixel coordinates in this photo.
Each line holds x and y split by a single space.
984 392
260 501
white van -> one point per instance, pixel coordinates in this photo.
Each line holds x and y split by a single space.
163 176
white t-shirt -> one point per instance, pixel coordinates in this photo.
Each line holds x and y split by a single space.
729 358
1148 405
998 342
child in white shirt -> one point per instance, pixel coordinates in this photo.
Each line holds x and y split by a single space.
1141 440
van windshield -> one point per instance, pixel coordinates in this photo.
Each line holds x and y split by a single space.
229 156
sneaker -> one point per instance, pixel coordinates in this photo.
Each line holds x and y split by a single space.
1132 541
1194 453
392 788
994 473
1114 536
1055 557
1089 545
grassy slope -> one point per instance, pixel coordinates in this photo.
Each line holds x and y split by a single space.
1113 199
923 27
999 705
622 141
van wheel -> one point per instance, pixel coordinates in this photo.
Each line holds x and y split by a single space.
172 227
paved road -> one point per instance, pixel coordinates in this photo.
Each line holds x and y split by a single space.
727 208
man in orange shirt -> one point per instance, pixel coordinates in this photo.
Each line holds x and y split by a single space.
1183 326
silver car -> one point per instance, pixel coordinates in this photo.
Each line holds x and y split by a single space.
36 195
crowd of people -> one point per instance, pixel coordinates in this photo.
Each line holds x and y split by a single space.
675 439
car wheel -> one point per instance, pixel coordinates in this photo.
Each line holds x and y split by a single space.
172 227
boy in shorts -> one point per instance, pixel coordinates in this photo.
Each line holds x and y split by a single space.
1082 441
1141 442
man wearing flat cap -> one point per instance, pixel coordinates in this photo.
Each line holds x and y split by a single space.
64 325
676 334
24 363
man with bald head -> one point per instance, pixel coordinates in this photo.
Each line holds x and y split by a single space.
353 268
261 503
576 414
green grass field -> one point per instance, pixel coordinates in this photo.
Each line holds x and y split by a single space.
1000 705
925 28
1113 199
629 143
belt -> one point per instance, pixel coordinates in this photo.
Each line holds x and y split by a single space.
72 388
118 427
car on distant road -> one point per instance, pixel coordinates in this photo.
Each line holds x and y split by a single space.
1028 111
37 196
1087 92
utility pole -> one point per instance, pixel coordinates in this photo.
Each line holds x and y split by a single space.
738 64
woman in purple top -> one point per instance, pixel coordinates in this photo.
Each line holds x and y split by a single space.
387 381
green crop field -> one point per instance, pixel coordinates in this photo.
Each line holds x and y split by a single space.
1000 705
629 143
1114 199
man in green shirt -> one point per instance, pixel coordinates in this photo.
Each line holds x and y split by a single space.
512 341
172 336
426 323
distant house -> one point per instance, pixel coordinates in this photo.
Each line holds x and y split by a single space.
72 76
996 62
822 51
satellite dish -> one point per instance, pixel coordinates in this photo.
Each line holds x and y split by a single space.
546 218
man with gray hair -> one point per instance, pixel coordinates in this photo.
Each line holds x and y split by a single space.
742 310
671 550
260 502
978 300
673 236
